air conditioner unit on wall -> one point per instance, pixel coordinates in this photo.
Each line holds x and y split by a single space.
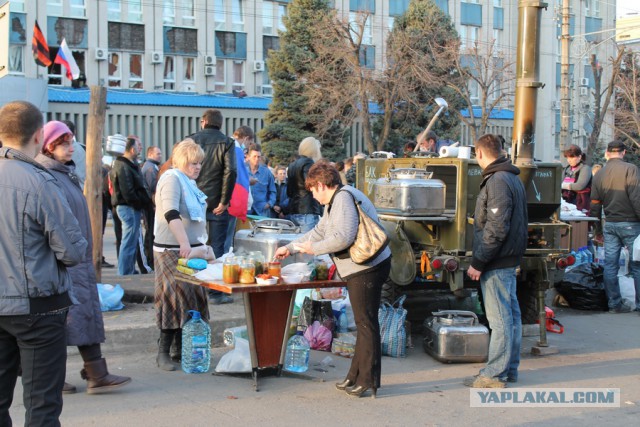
156 57
209 60
584 91
258 66
209 70
101 54
584 81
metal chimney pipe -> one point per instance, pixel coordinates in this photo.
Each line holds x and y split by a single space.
527 85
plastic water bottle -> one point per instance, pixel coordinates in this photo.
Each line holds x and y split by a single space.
297 355
343 322
229 335
196 345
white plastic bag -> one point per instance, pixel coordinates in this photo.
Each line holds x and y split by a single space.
236 360
298 267
636 249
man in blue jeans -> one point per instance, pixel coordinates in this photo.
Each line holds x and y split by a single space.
130 196
616 189
499 243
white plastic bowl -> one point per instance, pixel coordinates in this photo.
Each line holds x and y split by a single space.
270 281
292 278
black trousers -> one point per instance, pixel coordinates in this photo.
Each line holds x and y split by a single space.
38 343
365 292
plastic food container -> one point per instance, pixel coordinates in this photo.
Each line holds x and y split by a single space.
270 281
292 278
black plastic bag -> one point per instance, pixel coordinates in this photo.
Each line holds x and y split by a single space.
313 310
583 288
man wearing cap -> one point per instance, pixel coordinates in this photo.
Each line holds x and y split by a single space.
40 239
616 189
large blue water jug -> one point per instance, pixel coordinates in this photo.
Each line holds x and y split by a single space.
196 345
297 355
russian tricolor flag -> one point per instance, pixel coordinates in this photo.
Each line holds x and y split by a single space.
65 58
240 195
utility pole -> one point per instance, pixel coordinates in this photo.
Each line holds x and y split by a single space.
565 98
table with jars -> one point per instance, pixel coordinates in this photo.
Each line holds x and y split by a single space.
268 306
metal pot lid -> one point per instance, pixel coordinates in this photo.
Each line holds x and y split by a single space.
279 226
403 261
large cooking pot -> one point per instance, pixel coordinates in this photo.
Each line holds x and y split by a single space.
409 192
267 236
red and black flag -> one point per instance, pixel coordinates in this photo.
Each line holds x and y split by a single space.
40 47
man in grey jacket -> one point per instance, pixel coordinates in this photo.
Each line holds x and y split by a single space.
39 237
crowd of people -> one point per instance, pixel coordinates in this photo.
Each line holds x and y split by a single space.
189 207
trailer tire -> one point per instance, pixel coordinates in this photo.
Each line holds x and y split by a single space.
527 299
390 291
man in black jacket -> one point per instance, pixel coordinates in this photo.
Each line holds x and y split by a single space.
217 180
130 196
616 189
499 243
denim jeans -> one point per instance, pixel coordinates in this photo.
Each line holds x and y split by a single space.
617 235
38 344
130 218
503 314
217 228
305 221
231 231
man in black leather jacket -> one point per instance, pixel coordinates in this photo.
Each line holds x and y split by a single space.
216 180
130 196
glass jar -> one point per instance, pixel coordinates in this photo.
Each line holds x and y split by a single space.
230 270
274 269
247 272
258 261
322 270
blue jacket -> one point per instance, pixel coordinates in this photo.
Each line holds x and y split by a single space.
263 191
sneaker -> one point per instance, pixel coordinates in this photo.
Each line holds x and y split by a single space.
480 381
221 299
106 264
622 308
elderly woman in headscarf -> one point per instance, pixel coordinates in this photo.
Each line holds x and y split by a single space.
85 327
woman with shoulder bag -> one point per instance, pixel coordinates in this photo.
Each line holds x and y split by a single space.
335 234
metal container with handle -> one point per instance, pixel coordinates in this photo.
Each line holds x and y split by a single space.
409 192
456 336
266 236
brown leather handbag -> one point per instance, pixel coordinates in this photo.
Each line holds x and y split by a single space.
371 238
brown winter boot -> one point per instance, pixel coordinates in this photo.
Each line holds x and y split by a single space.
176 347
99 380
164 345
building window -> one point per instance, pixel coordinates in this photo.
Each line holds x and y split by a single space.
221 80
474 92
169 12
272 17
114 10
497 3
231 45
16 6
592 8
57 75
497 40
188 13
188 69
135 71
77 8
220 15
169 73
134 8
367 32
468 36
237 17
16 58
368 57
115 70
398 7
362 6
238 75
54 7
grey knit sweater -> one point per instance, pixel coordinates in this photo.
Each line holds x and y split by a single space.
337 231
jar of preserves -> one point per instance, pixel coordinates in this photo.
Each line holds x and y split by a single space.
247 272
258 261
274 269
230 270
322 270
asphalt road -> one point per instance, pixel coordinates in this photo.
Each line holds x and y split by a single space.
597 350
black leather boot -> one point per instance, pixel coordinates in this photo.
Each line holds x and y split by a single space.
176 347
99 380
164 345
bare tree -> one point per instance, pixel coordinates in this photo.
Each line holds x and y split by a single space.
627 120
602 97
487 68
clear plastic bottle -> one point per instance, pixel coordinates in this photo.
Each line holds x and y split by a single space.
196 345
229 335
297 354
343 322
